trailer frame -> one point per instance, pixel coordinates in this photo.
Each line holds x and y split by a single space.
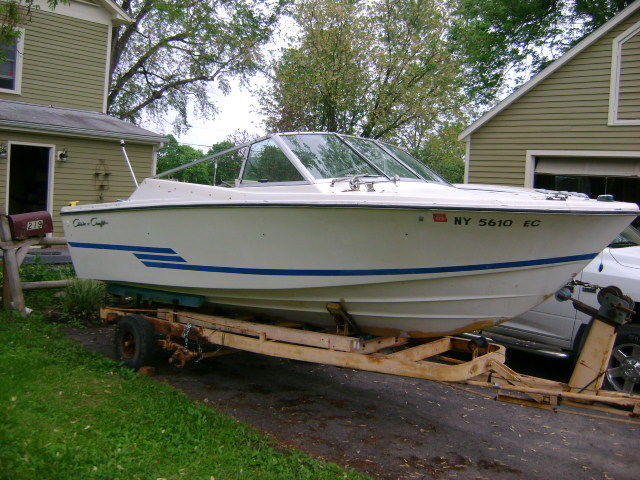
192 336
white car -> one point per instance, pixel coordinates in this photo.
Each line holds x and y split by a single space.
556 329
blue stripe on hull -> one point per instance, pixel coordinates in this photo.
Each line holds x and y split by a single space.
166 258
126 248
379 271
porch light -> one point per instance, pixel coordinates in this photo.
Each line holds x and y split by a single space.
63 155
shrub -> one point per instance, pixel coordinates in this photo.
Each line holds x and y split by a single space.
83 298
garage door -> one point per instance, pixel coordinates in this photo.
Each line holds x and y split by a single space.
594 176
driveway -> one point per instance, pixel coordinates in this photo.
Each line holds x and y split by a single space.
401 428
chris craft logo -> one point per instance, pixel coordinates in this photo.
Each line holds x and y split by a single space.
439 217
94 222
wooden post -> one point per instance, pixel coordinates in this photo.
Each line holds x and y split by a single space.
11 270
6 291
593 361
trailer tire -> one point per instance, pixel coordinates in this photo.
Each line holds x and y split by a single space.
134 342
628 343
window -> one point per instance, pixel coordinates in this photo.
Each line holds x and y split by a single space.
10 66
267 163
623 97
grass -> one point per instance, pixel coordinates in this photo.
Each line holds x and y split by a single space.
68 413
83 298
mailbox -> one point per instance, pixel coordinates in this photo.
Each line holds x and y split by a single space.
32 224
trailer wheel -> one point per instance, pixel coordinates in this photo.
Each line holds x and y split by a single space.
134 342
623 373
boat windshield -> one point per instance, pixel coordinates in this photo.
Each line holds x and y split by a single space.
327 156
414 164
381 159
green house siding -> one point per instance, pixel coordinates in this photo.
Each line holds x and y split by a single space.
568 110
629 99
82 178
64 62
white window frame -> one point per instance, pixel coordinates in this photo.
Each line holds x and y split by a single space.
50 172
467 159
530 163
614 91
17 90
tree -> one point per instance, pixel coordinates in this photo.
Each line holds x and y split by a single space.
14 14
175 49
443 153
173 155
503 42
371 68
221 171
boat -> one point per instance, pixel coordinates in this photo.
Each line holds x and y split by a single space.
294 221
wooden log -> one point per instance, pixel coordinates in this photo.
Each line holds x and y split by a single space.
45 284
6 290
53 241
23 249
12 270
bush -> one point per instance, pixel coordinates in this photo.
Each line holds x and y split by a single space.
83 298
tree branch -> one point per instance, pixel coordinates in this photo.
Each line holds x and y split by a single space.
135 68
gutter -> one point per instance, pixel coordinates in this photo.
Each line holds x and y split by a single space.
30 127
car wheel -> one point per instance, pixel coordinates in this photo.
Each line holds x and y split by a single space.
623 373
134 342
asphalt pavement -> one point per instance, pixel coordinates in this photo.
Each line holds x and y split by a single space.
401 428
55 255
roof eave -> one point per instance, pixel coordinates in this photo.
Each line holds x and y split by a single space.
524 88
80 132
117 13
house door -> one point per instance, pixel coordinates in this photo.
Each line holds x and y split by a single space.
29 178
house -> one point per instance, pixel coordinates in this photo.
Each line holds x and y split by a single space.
574 126
57 145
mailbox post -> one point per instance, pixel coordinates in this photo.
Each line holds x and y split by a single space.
18 233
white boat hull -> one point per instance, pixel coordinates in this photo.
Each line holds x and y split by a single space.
414 271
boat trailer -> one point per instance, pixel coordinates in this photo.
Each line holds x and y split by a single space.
190 336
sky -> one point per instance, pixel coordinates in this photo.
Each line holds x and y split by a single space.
239 110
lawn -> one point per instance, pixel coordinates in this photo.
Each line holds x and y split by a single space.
67 413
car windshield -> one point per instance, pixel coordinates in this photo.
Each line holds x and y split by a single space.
629 237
